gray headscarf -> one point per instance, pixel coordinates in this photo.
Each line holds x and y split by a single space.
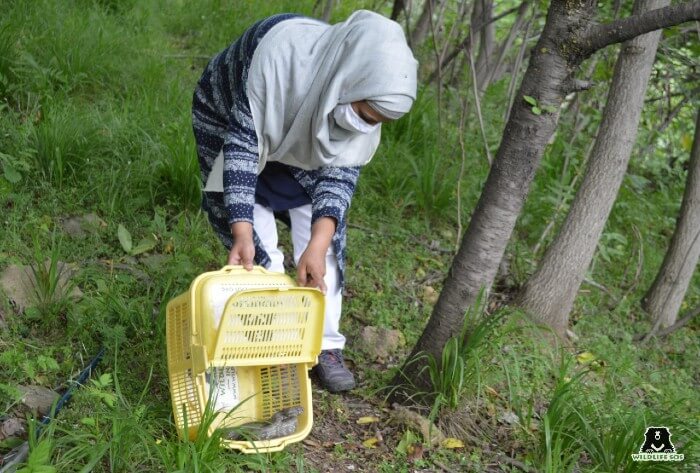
303 68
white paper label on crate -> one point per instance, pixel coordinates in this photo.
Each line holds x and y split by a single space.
224 381
217 302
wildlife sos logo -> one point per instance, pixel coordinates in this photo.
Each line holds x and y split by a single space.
657 446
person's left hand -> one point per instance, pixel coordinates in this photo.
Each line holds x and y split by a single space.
312 266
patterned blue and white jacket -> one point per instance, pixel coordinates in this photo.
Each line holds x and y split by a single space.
222 119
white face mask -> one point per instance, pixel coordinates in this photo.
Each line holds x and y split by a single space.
345 117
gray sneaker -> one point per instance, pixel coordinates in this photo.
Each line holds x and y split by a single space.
331 370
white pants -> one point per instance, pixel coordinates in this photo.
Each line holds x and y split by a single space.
266 228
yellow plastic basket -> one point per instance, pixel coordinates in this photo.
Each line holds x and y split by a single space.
250 337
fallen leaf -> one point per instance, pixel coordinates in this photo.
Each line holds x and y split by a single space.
649 388
371 442
367 420
415 452
311 443
430 295
124 238
451 442
585 358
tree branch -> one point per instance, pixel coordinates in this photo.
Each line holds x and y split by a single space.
466 42
680 323
668 330
576 85
622 30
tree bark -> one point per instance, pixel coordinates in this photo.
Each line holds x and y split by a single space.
497 64
524 139
482 14
327 10
549 77
664 298
549 294
422 27
398 8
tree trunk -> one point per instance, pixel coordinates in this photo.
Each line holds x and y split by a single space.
398 8
327 10
524 139
567 39
549 294
497 65
483 12
422 27
664 298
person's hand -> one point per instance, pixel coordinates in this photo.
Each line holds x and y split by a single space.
312 267
243 249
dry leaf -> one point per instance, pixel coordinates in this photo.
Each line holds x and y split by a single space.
451 442
430 295
414 452
367 420
311 443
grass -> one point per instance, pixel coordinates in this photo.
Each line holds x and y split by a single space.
94 117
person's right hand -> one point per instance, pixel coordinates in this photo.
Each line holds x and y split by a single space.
243 249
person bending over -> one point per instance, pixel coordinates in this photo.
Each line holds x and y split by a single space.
284 118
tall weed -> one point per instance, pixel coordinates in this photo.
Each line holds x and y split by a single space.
177 169
64 141
460 365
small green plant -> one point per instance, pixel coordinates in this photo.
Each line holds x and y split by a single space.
147 243
51 282
40 450
459 367
538 108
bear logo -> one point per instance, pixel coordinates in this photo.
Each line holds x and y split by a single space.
657 440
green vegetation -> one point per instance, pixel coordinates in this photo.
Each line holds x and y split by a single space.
94 118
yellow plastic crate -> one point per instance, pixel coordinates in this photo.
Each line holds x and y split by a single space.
253 336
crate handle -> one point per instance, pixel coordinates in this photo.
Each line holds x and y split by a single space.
237 267
229 267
